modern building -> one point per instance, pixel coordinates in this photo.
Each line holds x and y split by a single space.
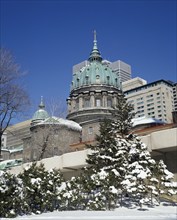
152 100
133 83
16 133
94 91
122 69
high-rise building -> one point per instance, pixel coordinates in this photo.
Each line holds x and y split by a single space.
154 100
133 83
122 69
174 113
175 97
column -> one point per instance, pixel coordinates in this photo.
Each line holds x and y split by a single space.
92 99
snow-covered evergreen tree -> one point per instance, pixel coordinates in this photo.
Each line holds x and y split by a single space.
139 171
163 180
107 165
120 164
71 195
11 195
51 183
32 178
123 115
40 189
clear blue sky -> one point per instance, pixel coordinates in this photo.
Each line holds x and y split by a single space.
48 37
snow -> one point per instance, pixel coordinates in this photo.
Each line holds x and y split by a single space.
116 173
68 123
169 174
35 180
144 120
113 189
165 211
142 174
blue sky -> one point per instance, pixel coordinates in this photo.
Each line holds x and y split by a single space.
48 37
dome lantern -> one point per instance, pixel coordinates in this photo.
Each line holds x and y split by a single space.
95 54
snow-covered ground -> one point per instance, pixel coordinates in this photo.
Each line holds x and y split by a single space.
165 211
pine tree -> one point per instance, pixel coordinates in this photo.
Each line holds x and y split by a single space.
163 180
11 195
107 165
123 115
139 171
40 188
120 164
72 195
109 158
32 178
50 184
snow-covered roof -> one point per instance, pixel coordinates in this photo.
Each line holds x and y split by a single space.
144 120
16 149
68 123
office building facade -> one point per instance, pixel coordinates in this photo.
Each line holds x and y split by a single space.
152 100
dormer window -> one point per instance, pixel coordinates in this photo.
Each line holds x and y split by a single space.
97 79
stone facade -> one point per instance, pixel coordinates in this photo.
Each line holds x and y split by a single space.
55 139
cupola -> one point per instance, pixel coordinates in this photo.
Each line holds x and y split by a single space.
41 114
95 73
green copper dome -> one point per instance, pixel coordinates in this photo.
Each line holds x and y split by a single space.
41 114
95 73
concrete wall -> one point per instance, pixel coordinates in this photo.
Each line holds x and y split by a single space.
164 140
69 163
162 144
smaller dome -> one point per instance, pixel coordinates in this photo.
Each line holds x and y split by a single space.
41 114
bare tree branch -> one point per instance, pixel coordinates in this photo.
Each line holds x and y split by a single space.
13 98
